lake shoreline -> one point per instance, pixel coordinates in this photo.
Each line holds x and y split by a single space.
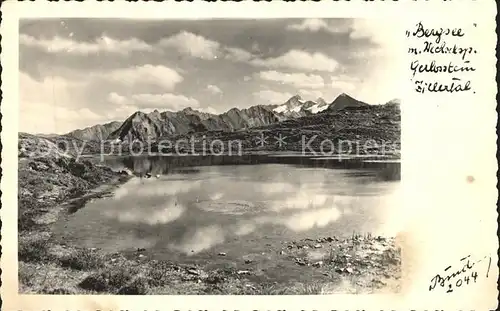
51 186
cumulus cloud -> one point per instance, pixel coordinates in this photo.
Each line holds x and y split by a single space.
44 105
376 30
214 89
102 44
167 101
124 111
299 80
301 60
237 54
158 75
193 45
384 38
124 106
272 96
385 57
294 59
310 94
117 99
314 25
39 117
344 83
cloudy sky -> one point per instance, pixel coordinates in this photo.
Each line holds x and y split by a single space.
79 72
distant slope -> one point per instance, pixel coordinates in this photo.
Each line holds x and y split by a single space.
95 133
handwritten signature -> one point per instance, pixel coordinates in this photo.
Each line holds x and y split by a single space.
459 277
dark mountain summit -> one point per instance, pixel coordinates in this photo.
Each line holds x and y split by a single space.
345 101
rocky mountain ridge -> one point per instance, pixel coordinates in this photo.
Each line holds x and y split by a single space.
150 126
96 132
378 126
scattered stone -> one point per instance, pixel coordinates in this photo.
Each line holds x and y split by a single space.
141 249
318 246
193 272
318 264
329 239
247 261
141 256
125 172
300 262
349 270
222 254
243 272
282 253
92 248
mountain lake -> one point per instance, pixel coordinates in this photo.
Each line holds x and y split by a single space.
237 211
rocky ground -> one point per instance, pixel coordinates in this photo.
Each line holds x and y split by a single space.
353 265
50 184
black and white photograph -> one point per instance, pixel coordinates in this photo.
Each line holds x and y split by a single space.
208 157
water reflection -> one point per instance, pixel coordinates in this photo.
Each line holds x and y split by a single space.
204 238
385 169
230 206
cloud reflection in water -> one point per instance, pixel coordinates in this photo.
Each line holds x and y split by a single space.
212 207
204 238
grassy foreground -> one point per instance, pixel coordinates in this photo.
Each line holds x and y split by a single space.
357 264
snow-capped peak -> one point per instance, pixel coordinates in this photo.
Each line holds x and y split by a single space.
317 108
296 104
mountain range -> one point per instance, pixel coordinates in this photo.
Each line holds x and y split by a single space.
143 126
